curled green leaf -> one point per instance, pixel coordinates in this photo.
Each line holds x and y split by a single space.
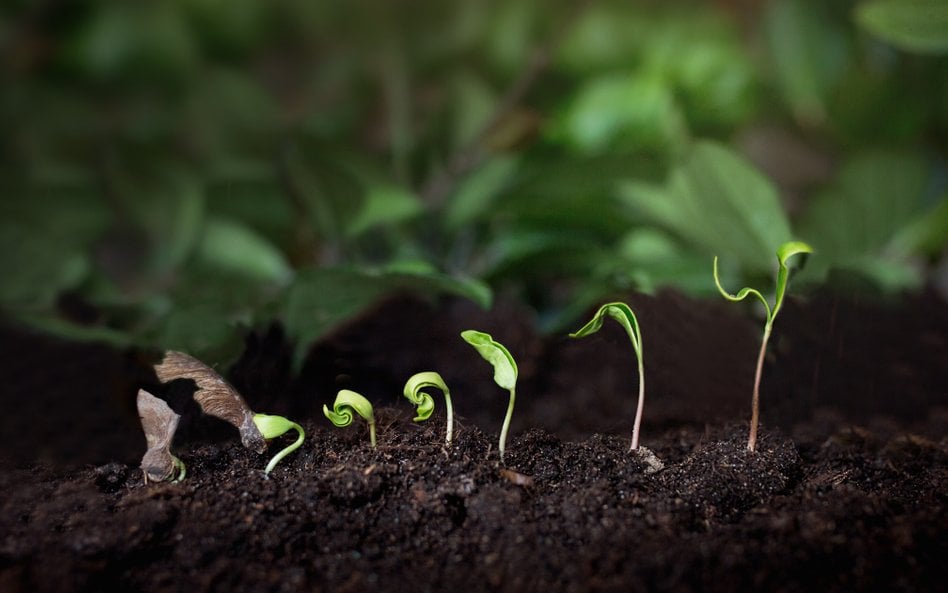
505 373
741 294
505 368
272 427
425 403
347 404
624 315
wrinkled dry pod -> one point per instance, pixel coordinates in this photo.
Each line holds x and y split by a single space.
159 422
214 395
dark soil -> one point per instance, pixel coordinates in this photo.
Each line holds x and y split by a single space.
847 491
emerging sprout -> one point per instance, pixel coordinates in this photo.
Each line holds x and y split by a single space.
272 427
626 318
505 373
784 252
425 403
346 405
159 422
218 398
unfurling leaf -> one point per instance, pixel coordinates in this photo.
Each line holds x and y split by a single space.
347 404
424 402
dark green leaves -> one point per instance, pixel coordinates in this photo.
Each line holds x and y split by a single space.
717 202
912 25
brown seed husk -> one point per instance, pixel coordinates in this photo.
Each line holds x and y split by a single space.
215 395
159 422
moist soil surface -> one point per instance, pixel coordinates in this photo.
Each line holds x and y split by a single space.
846 491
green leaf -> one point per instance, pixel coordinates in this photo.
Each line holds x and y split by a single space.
919 26
505 368
623 314
623 111
346 404
784 253
230 247
867 212
476 193
808 55
715 201
383 206
414 392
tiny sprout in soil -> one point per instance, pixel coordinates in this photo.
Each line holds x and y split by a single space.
784 253
626 318
272 427
505 373
425 403
159 422
346 405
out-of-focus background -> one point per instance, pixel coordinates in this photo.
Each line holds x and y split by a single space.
175 173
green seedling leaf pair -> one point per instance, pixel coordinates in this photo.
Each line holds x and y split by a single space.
784 253
272 427
347 405
626 318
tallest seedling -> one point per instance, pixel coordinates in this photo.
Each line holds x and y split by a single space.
784 252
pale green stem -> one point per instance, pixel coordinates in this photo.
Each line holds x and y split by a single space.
449 431
755 402
639 409
506 427
279 456
372 432
179 468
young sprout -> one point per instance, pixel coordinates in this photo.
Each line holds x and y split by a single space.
159 422
505 373
626 318
272 427
784 253
349 402
425 403
218 398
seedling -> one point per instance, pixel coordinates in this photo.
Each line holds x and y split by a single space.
626 318
272 427
784 253
425 403
505 373
347 404
218 398
159 422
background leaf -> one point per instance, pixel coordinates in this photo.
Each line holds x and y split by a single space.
912 25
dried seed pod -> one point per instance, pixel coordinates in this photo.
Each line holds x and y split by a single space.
159 422
215 395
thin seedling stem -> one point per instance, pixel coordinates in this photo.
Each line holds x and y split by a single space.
755 401
506 426
372 433
449 431
639 408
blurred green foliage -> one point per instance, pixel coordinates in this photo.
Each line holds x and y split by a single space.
174 173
